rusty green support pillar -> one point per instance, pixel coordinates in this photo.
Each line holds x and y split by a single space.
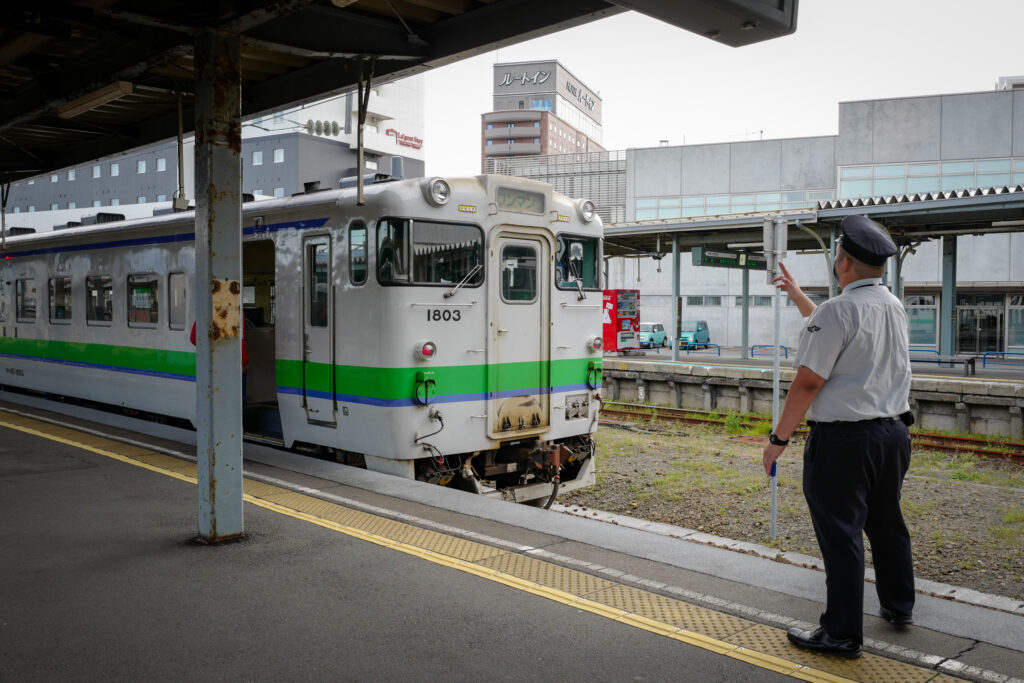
218 174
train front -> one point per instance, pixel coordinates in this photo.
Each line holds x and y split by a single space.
538 346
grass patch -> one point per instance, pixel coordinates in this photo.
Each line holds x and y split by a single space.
1011 515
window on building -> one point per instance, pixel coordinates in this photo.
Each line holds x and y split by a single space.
141 199
115 202
25 300
161 164
96 172
278 117
72 205
32 182
53 178
140 166
161 198
96 203
257 158
278 191
712 300
177 309
115 169
99 299
694 301
142 300
922 319
31 208
71 174
279 155
371 164
17 209
60 300
54 207
761 300
490 126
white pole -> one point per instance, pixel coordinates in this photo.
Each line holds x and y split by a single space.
779 246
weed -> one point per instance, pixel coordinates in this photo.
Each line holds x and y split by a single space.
733 424
1011 515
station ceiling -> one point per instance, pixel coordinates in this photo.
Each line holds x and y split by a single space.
85 79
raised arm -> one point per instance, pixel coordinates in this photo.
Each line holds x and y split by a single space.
786 283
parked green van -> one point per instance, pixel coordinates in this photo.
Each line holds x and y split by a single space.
694 333
652 335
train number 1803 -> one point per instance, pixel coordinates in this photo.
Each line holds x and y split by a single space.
447 315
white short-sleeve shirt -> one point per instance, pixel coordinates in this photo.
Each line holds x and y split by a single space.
858 342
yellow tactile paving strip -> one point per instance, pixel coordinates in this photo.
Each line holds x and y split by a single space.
759 645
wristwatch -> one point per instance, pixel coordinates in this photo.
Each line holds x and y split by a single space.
776 441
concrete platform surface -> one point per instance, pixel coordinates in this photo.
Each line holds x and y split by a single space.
349 575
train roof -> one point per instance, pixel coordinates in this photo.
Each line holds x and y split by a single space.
331 196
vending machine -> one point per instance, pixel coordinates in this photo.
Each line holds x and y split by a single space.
621 312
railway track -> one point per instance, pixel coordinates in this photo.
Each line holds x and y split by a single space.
985 447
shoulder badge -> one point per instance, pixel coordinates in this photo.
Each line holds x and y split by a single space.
813 328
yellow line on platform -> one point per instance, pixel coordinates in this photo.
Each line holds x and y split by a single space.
543 579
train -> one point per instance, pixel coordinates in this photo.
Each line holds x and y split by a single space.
445 329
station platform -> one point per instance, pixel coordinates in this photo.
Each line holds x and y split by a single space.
993 370
346 574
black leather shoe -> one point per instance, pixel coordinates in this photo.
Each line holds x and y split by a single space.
895 618
819 641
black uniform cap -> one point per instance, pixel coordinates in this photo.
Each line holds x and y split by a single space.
866 240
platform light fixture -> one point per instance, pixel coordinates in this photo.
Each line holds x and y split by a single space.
95 99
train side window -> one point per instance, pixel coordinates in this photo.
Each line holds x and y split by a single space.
143 300
176 301
99 300
518 273
60 300
393 251
25 296
357 253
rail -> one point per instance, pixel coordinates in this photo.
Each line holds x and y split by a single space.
925 351
994 448
967 361
1002 354
707 349
785 351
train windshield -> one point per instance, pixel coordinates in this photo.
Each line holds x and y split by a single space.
578 261
441 253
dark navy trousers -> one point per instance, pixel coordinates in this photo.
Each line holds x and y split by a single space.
853 477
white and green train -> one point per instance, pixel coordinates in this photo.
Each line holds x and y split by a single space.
447 329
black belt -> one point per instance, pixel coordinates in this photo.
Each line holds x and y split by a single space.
906 418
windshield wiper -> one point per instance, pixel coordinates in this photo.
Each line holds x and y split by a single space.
577 279
464 280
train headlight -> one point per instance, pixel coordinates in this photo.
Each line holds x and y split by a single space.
587 210
436 191
595 344
425 350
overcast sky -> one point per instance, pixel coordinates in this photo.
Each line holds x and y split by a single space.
659 82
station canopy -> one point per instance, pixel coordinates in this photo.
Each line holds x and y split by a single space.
909 219
85 79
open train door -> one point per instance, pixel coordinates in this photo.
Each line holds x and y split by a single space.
519 376
317 331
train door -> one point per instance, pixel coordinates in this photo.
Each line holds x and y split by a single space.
518 376
317 331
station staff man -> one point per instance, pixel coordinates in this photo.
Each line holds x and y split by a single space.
853 383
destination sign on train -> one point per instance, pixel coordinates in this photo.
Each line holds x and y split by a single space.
724 258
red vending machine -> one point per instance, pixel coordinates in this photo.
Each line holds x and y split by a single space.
621 319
